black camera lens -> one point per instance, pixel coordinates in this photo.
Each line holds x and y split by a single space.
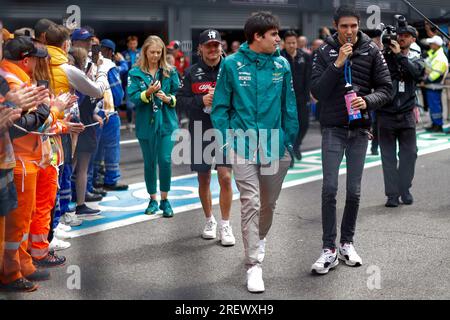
401 21
389 34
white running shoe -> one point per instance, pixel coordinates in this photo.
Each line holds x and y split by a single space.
210 230
255 283
71 219
226 236
348 254
328 260
61 234
64 227
262 250
58 244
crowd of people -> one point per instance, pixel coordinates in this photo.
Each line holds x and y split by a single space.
66 94
60 92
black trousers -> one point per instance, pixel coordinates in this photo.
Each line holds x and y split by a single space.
375 143
336 142
398 174
303 121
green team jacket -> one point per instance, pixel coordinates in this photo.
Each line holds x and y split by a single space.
255 92
148 122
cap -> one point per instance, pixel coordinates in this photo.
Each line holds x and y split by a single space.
436 40
108 44
210 35
27 32
408 29
21 47
81 34
174 44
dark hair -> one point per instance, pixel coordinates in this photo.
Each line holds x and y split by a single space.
345 11
260 23
42 26
132 38
56 35
290 33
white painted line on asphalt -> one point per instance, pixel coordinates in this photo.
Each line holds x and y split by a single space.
112 225
129 141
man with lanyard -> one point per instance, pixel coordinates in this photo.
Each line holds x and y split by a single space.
196 98
397 120
348 66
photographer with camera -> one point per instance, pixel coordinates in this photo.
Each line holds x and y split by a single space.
397 120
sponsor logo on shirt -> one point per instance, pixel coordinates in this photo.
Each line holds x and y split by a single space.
277 77
202 87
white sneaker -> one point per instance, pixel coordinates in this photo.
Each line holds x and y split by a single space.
210 230
64 227
262 250
226 236
255 283
71 219
61 234
348 254
328 260
58 244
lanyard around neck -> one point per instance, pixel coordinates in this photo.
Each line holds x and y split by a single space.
348 72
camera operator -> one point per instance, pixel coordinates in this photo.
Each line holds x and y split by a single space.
397 120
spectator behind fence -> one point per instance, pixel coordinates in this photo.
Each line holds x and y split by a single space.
40 29
17 67
64 79
108 151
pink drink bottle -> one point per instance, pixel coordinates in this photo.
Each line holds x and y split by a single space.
352 114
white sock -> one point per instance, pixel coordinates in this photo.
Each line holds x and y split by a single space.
224 223
211 219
